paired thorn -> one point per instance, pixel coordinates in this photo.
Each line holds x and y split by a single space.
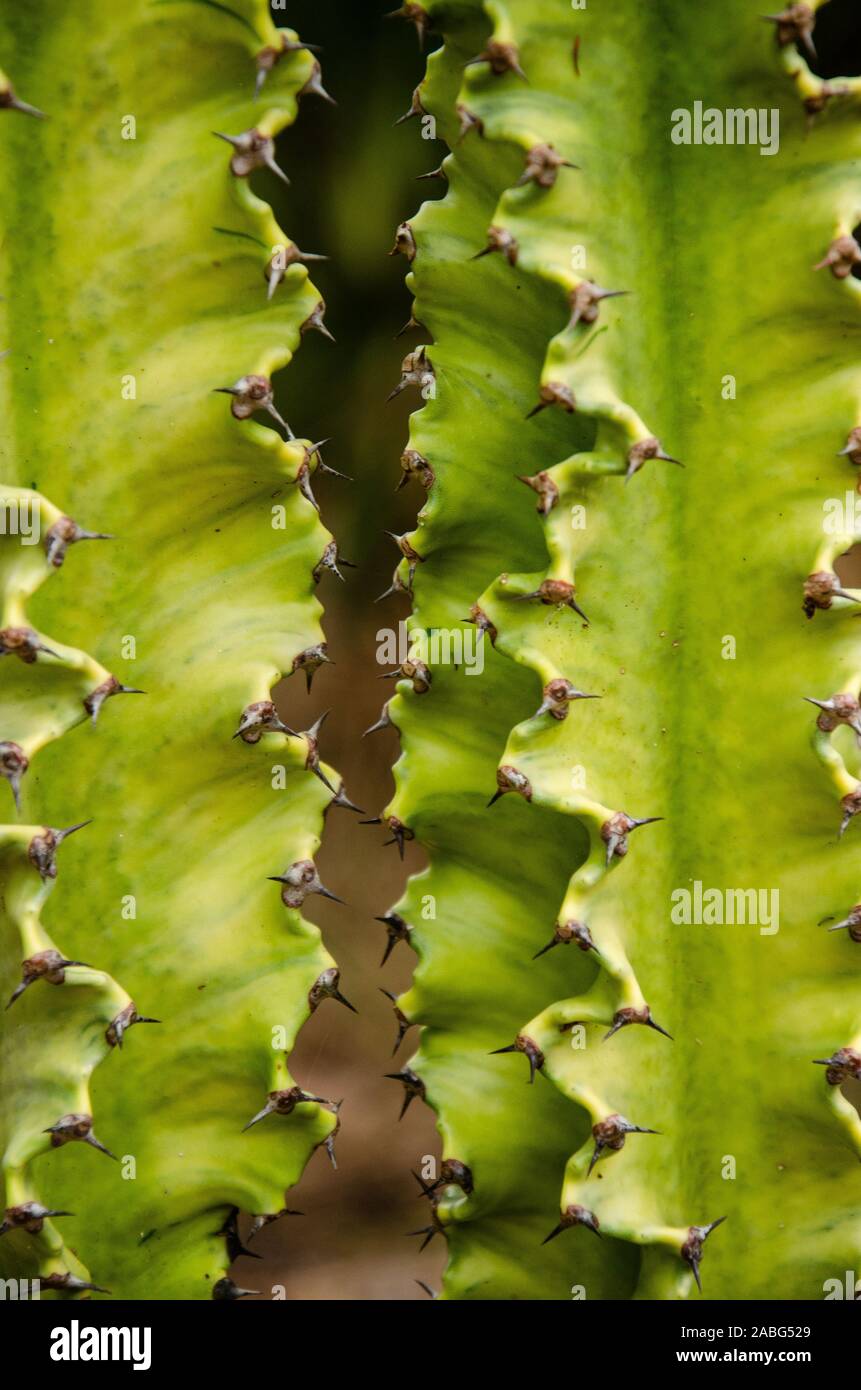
852 923
610 1136
415 15
410 554
330 560
615 832
315 322
413 1086
250 394
643 451
405 243
397 930
851 804
468 121
94 701
508 779
252 150
452 1173
13 764
435 1228
566 932
844 1065
498 239
795 24
692 1250
574 1216
821 589
842 256
261 718
542 484
269 57
586 300
66 532
282 258
334 1108
543 163
310 660
284 1103
42 849
416 370
554 393
501 57
120 1025
50 966
312 754
558 694
557 593
623 1018
404 1024
400 831
530 1050
232 1238
75 1128
479 619
303 473
837 709
415 465
24 643
418 672
28 1216
299 881
326 986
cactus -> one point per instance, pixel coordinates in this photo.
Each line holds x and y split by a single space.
596 770
141 276
732 352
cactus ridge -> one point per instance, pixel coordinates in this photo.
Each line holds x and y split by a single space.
198 791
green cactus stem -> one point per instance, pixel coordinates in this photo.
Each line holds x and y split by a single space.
731 353
141 275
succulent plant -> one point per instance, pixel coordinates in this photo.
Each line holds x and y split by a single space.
730 353
178 284
600 301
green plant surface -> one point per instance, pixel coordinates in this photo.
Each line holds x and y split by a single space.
134 285
696 643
